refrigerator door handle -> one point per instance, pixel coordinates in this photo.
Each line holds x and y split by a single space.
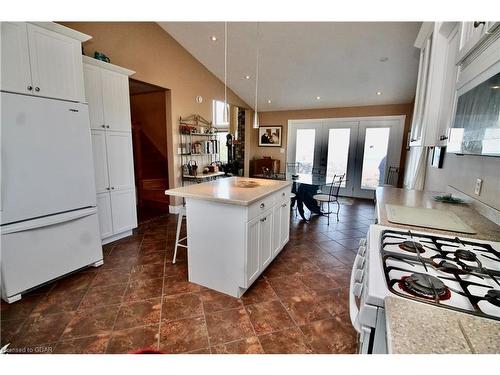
48 220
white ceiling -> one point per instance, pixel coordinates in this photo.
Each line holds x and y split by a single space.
338 61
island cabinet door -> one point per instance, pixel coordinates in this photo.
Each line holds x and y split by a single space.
284 223
276 234
265 239
252 253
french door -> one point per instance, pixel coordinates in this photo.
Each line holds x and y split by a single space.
362 148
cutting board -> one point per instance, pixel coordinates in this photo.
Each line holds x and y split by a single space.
427 218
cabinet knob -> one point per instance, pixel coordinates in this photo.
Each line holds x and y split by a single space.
107 126
107 188
103 126
478 23
29 88
262 205
112 188
443 138
283 205
413 139
263 219
37 89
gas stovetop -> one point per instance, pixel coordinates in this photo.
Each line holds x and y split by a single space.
460 274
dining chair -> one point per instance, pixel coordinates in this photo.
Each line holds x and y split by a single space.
293 168
331 197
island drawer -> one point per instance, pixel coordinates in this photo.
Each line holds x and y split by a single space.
261 206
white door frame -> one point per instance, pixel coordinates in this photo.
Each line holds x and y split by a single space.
357 148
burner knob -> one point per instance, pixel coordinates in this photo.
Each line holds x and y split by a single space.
362 250
358 276
362 242
358 288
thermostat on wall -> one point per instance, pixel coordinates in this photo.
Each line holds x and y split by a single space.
199 99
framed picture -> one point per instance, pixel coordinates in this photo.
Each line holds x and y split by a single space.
270 136
438 156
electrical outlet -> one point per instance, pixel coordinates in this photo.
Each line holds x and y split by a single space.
282 150
477 189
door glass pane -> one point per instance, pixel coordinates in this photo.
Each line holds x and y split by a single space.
304 147
374 157
338 152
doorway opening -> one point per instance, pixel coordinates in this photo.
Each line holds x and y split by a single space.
367 150
149 108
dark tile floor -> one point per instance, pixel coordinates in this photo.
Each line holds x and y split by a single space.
139 299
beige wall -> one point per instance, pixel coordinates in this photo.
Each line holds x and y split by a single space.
282 117
158 59
461 173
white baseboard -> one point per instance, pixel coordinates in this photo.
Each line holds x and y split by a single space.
174 209
116 237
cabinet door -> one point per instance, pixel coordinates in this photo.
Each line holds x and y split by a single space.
421 94
93 95
116 101
56 64
446 111
265 239
120 160
252 253
285 222
123 210
100 160
276 234
15 64
104 214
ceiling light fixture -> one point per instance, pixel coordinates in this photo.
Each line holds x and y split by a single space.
318 97
495 87
269 101
213 38
247 77
379 93
256 124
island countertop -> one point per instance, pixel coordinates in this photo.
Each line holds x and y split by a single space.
486 229
231 190
420 328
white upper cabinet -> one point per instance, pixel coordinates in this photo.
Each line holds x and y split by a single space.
471 34
16 72
42 59
116 101
437 75
93 94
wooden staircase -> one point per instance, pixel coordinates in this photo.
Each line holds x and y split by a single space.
151 170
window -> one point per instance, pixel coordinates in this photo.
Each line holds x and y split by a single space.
220 116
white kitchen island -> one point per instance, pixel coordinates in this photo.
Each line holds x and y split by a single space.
235 228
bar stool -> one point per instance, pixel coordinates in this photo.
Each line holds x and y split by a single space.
180 216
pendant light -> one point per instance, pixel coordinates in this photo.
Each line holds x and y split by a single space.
256 114
226 109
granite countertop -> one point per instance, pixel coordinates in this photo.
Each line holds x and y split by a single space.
230 190
486 229
420 328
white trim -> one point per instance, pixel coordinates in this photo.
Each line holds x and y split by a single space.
102 64
60 29
116 237
425 31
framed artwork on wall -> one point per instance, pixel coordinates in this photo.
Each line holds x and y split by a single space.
270 136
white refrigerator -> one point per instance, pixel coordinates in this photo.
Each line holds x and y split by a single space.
49 224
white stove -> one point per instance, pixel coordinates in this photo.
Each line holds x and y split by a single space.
462 274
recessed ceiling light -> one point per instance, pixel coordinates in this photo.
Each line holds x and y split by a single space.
269 101
383 59
318 97
213 38
379 92
247 77
495 87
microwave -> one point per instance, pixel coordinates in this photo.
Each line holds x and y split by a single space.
476 124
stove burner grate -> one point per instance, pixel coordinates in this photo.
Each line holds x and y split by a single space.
467 255
425 286
412 246
493 297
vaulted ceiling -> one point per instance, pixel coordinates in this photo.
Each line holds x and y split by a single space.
341 63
